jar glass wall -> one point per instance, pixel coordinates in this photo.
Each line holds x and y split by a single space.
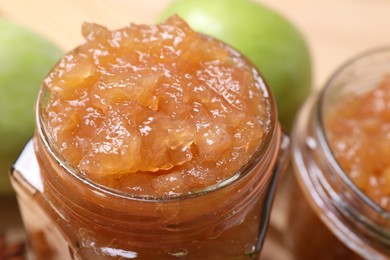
69 218
329 216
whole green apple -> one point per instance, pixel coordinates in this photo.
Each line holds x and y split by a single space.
270 41
25 60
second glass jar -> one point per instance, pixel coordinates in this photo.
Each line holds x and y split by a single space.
329 216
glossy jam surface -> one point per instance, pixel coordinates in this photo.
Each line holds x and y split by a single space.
155 110
359 134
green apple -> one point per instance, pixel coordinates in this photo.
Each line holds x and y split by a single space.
270 41
25 60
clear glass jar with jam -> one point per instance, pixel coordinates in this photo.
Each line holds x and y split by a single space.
152 142
340 207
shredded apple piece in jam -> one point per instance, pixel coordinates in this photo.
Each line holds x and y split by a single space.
155 110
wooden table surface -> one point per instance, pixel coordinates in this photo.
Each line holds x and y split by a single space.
335 30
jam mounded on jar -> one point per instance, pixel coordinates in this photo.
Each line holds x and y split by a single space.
358 130
153 142
155 110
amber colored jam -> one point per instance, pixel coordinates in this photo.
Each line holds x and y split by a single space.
155 110
339 202
358 130
152 142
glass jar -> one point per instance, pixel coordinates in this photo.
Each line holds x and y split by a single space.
69 217
329 216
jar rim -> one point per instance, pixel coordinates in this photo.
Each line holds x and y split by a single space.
321 132
258 158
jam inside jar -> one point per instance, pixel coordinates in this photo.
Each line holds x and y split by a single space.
152 142
339 208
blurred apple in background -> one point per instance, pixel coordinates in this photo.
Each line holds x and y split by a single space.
270 41
25 60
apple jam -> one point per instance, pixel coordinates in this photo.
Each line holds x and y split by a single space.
358 130
153 142
155 110
339 208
